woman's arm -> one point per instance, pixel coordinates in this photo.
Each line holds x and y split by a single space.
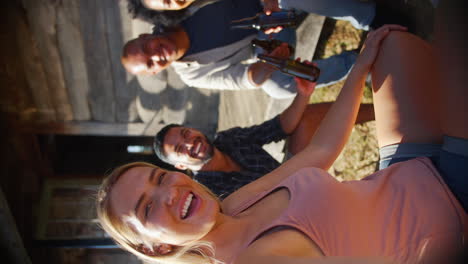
331 136
292 115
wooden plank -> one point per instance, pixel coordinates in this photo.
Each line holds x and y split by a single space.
42 20
34 72
15 98
308 35
119 30
101 92
242 108
70 43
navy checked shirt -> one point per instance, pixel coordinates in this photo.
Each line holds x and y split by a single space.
244 146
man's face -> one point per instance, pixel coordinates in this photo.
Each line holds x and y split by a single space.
167 4
149 54
187 148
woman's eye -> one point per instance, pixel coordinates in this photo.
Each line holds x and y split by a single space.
161 178
148 209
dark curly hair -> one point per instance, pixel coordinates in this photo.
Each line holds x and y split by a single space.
160 19
159 141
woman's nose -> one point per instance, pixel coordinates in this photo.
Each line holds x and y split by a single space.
171 196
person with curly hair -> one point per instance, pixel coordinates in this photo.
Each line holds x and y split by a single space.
147 10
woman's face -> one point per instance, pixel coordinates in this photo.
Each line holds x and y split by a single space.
167 206
167 4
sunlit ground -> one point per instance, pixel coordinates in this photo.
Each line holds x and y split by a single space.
360 156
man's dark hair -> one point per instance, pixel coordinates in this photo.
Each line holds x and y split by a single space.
160 19
159 142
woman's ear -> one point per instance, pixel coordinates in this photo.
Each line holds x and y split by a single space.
180 166
146 250
157 250
163 249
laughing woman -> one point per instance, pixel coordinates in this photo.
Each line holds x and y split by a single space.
413 211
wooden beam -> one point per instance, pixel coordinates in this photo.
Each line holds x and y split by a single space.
15 97
34 70
308 35
42 19
70 44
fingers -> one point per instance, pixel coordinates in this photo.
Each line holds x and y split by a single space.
270 7
304 86
386 28
273 30
372 44
375 37
281 51
394 27
298 59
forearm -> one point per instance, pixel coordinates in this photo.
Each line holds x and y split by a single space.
259 72
234 77
333 132
291 117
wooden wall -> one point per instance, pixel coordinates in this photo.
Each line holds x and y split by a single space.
69 52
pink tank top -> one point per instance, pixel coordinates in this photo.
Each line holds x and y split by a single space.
405 212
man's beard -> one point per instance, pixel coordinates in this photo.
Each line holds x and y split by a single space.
210 151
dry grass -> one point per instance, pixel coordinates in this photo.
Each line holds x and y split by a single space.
360 156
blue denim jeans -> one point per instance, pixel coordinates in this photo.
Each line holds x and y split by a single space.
450 159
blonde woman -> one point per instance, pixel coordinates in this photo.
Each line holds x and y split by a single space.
410 212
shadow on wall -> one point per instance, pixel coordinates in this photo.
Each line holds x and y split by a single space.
165 99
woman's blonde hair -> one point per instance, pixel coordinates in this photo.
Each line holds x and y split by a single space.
127 237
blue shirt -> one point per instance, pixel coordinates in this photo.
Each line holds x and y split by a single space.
210 27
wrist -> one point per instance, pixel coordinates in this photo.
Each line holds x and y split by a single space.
361 66
304 95
301 97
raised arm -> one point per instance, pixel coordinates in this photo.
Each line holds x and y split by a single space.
331 136
259 72
277 128
291 116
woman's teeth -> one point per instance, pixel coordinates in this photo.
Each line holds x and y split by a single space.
160 58
197 149
186 206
